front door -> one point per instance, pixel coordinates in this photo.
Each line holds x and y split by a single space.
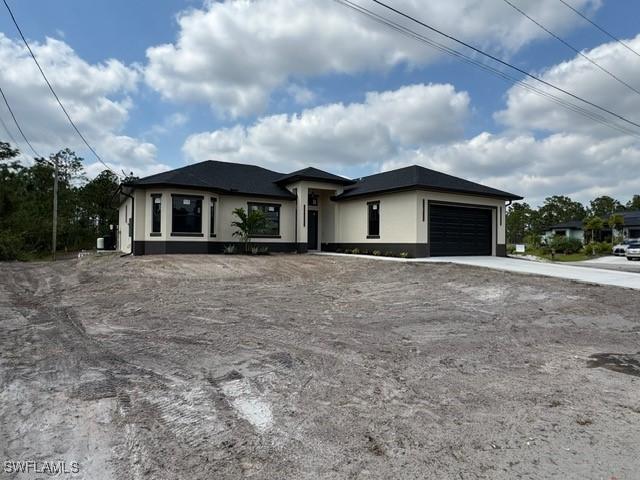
312 243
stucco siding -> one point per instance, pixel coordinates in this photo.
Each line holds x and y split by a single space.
398 213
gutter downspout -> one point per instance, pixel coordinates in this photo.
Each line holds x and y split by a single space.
133 225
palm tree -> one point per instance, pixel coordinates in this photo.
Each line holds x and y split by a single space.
248 224
593 224
616 222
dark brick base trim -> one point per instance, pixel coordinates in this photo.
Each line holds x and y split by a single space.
151 247
414 250
501 250
301 247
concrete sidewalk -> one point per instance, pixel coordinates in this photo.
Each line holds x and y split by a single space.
569 272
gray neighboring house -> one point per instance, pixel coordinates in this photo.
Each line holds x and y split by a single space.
413 209
575 228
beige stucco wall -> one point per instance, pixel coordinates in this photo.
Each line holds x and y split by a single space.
398 213
225 204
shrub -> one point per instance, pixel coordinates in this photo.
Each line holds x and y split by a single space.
10 246
599 248
566 245
229 249
511 248
389 254
263 250
356 251
346 250
404 254
255 250
532 240
377 253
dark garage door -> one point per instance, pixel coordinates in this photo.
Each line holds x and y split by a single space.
459 230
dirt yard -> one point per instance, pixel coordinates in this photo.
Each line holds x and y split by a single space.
215 367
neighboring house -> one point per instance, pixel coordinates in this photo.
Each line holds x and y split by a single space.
414 210
575 228
571 229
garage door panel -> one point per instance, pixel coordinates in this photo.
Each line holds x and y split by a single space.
459 230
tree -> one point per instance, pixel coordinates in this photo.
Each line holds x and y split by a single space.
248 224
558 209
604 206
518 222
634 203
99 202
615 222
593 224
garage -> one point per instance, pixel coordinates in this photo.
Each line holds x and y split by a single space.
456 230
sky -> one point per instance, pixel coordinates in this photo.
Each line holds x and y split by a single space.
285 84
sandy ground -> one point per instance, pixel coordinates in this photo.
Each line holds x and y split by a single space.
201 367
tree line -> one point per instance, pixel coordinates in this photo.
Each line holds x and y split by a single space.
524 222
86 208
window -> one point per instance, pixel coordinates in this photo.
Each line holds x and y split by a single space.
186 215
212 219
272 214
500 216
156 212
374 220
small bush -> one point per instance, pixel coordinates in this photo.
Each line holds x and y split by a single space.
255 250
229 249
356 251
389 254
532 240
599 248
511 248
566 245
404 255
10 246
377 253
263 250
346 250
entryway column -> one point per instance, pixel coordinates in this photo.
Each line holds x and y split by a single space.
301 224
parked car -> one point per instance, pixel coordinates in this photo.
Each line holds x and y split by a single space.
633 251
621 248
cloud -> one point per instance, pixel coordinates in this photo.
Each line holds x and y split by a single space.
526 110
231 55
97 97
564 163
337 135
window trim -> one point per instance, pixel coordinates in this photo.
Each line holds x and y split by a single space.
369 205
187 234
154 233
267 204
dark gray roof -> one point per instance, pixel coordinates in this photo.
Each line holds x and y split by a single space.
631 218
419 177
570 225
225 177
311 173
236 178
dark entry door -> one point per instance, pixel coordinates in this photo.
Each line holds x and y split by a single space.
459 230
312 243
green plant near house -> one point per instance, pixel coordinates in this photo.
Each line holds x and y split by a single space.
404 254
389 254
566 245
247 225
593 225
255 250
376 253
616 222
356 251
229 249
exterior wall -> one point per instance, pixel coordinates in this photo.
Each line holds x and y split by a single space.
124 216
398 213
569 233
223 231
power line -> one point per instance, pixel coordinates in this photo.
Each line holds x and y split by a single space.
503 75
52 90
505 63
7 131
15 120
610 35
571 47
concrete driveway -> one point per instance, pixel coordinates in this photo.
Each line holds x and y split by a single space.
610 262
557 270
599 276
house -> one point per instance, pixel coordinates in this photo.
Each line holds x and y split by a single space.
413 209
575 228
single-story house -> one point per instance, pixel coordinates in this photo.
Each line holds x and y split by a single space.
575 228
414 210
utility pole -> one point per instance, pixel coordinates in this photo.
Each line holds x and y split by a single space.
55 207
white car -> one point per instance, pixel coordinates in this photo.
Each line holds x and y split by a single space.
633 251
621 248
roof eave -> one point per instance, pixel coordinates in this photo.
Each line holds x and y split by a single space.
346 196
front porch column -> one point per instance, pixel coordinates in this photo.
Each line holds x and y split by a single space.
301 223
